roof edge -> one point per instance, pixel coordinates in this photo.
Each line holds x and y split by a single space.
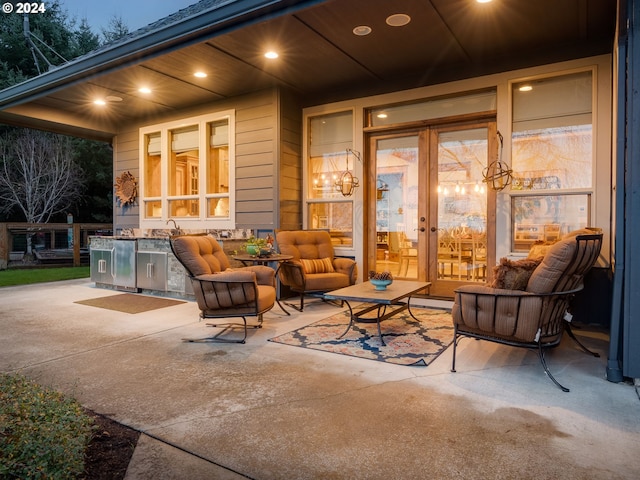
186 31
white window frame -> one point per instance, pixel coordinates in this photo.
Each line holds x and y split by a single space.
356 167
201 221
590 192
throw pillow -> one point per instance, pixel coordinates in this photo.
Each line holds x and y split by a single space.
514 274
539 249
317 265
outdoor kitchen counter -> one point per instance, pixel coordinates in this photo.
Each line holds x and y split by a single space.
148 266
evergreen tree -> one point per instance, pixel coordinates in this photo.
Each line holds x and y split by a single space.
85 40
116 29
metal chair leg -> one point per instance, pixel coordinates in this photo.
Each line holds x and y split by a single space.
567 327
225 327
546 369
455 344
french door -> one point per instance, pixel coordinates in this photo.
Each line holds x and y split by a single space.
434 218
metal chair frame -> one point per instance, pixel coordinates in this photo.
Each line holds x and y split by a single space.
554 316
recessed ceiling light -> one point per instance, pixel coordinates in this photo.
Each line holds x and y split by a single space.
271 54
200 75
362 30
398 19
99 102
144 90
483 1
525 88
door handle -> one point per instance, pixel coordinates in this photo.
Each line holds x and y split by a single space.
422 229
433 229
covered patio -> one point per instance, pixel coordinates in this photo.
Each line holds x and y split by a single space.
266 410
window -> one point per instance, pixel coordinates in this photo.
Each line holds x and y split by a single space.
186 172
330 140
552 157
546 218
433 108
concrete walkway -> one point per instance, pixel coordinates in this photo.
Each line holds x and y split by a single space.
270 411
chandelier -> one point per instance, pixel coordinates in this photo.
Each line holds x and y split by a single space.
347 183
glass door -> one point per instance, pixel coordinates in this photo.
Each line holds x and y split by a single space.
433 215
395 205
462 211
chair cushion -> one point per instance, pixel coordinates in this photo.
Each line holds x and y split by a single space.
539 249
510 315
319 265
305 243
545 278
514 274
200 254
325 282
266 297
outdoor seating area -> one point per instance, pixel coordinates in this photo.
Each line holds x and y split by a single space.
342 240
527 305
222 410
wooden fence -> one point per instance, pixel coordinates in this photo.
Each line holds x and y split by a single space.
79 234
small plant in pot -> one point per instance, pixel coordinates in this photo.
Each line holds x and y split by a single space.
380 279
258 247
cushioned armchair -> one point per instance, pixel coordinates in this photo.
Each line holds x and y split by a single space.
223 292
314 269
536 316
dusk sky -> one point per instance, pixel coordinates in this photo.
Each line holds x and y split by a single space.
136 13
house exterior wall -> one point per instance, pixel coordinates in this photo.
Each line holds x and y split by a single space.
268 159
290 172
502 82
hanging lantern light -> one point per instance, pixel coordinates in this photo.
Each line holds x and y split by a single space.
347 183
498 174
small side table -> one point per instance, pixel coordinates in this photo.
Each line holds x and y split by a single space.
274 258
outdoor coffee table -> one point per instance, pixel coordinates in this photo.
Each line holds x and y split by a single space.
381 299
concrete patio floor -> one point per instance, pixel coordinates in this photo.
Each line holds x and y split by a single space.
269 411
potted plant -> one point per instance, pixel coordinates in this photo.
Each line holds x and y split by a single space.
257 246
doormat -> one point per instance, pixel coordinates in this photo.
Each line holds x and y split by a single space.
409 342
130 303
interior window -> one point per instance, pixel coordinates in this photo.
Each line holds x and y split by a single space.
186 171
552 158
330 162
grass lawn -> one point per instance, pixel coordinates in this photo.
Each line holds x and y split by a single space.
39 275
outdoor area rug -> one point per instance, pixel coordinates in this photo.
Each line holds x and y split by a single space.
130 303
408 342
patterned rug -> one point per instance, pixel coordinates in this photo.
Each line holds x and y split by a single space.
408 342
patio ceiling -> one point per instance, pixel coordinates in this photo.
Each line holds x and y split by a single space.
320 58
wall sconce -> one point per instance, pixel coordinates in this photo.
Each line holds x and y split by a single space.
347 183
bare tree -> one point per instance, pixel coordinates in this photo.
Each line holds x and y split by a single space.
39 175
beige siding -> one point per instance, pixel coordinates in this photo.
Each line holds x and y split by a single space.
268 159
126 154
290 171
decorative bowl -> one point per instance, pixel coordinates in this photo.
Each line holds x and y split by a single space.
380 284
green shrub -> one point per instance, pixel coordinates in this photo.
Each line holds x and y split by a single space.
43 434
